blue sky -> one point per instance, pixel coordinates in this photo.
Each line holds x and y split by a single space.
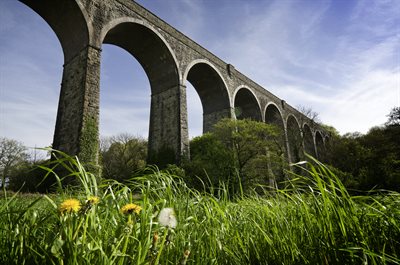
339 57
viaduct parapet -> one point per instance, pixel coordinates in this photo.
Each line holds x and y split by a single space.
170 59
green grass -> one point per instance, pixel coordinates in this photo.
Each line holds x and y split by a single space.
313 221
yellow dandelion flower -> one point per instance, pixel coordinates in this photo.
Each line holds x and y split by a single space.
131 208
70 205
93 200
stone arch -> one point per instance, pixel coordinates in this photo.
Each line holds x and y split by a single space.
273 116
212 90
69 22
246 104
294 139
148 47
168 137
308 140
319 144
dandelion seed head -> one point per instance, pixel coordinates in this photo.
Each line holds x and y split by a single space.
167 218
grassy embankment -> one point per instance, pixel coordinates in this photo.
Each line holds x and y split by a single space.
313 221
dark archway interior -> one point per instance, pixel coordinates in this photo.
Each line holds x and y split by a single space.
212 92
209 86
273 117
308 140
150 51
67 21
294 138
246 105
319 141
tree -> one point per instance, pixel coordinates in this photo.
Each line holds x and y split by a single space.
122 155
211 162
394 117
12 152
309 113
240 153
371 160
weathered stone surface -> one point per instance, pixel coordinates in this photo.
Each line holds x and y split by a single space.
170 60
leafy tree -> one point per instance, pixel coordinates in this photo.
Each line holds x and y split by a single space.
211 162
371 160
122 155
240 153
12 153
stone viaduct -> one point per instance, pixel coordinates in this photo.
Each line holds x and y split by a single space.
170 60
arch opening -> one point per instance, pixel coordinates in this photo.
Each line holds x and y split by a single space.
165 142
125 95
274 117
149 50
212 91
294 139
246 105
31 70
320 147
308 140
195 111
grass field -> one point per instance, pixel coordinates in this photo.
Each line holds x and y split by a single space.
313 221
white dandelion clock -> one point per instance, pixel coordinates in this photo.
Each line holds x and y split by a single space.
167 218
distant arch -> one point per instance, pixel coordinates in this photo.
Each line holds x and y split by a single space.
212 90
308 140
294 139
246 104
273 115
320 147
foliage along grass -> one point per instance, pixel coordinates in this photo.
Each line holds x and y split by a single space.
313 221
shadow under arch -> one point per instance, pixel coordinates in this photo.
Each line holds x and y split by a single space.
294 139
167 142
69 22
308 140
212 90
278 163
246 104
273 116
320 147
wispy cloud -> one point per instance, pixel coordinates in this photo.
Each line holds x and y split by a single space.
350 77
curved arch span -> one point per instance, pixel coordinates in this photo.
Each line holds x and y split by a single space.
148 47
294 139
273 115
319 143
246 104
212 90
308 140
168 139
68 20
